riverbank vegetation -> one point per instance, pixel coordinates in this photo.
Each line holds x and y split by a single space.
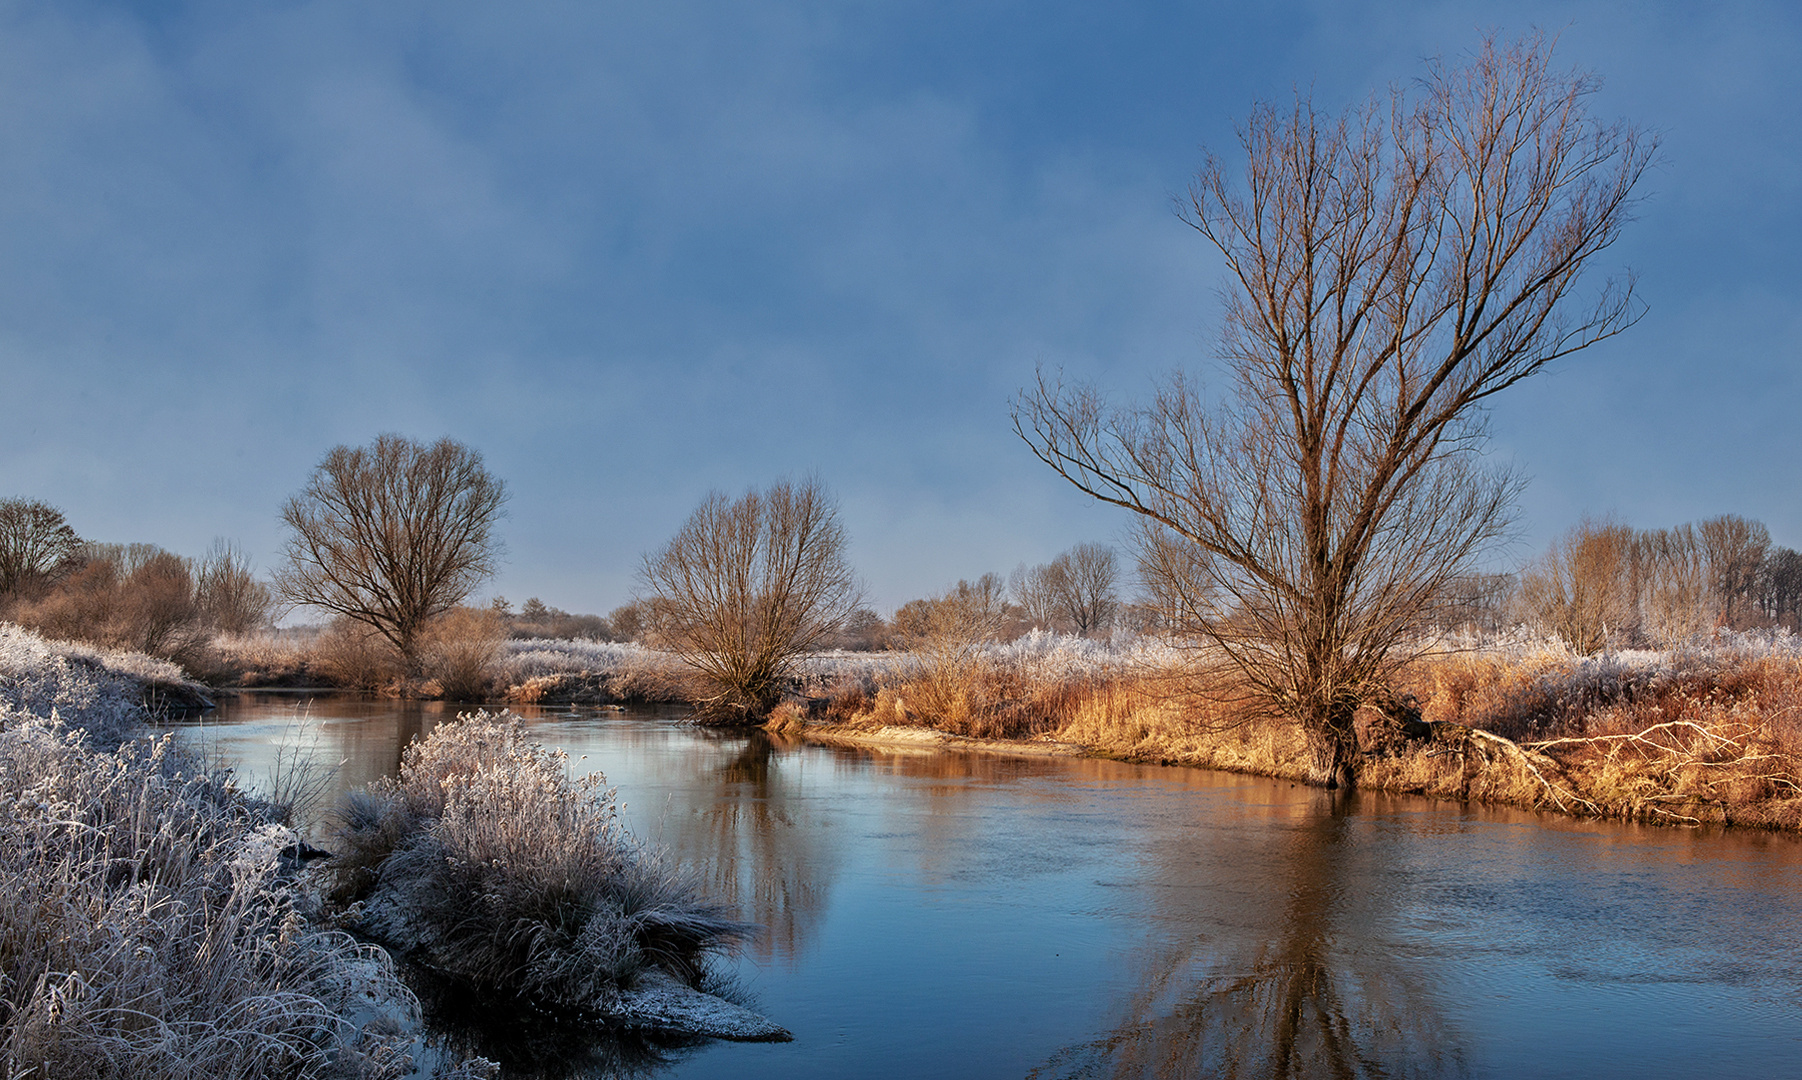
1708 733
151 923
485 861
158 920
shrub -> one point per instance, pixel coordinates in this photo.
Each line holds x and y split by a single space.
462 653
353 656
125 596
487 863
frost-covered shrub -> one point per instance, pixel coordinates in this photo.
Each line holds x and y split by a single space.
147 929
96 689
485 861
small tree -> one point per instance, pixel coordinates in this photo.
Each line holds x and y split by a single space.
1391 269
392 535
747 586
36 545
230 595
1083 581
1582 590
946 635
1035 589
627 622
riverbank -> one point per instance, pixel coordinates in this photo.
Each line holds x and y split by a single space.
160 921
152 923
1710 735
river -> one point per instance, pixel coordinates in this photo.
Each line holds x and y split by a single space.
934 914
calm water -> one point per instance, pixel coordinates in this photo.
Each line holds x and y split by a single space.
932 914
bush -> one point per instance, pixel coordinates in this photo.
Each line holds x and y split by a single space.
485 862
462 653
352 656
126 596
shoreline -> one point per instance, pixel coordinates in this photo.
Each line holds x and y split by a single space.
1494 752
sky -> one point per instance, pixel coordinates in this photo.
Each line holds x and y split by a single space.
632 253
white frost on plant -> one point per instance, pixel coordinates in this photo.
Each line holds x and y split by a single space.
97 689
1039 655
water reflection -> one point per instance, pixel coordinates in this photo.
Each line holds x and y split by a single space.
530 1044
933 913
756 842
1298 1003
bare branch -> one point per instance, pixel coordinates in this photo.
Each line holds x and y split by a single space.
1390 269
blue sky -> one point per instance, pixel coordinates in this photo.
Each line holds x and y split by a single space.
636 252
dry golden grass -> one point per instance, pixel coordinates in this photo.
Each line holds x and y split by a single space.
1686 739
1711 737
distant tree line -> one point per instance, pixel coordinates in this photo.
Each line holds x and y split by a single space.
1606 585
128 596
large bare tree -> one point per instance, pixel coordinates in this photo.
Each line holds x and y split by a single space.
1390 269
392 535
746 587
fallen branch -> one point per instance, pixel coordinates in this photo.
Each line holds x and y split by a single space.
1645 737
1557 794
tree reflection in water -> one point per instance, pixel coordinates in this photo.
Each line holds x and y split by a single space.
1297 1005
752 849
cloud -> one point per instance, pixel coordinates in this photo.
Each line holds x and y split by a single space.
635 252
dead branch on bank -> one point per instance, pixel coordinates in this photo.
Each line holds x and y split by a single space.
1520 754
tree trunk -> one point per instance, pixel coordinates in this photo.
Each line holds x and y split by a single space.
1333 746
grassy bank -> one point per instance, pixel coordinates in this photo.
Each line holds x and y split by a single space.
1708 734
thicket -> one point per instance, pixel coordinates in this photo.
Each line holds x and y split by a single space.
1607 585
141 598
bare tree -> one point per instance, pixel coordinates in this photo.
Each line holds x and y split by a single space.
627 622
967 614
1083 584
1476 603
946 635
1735 551
1582 588
1075 591
1034 588
392 535
229 593
36 545
1782 588
1670 581
1390 270
746 587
